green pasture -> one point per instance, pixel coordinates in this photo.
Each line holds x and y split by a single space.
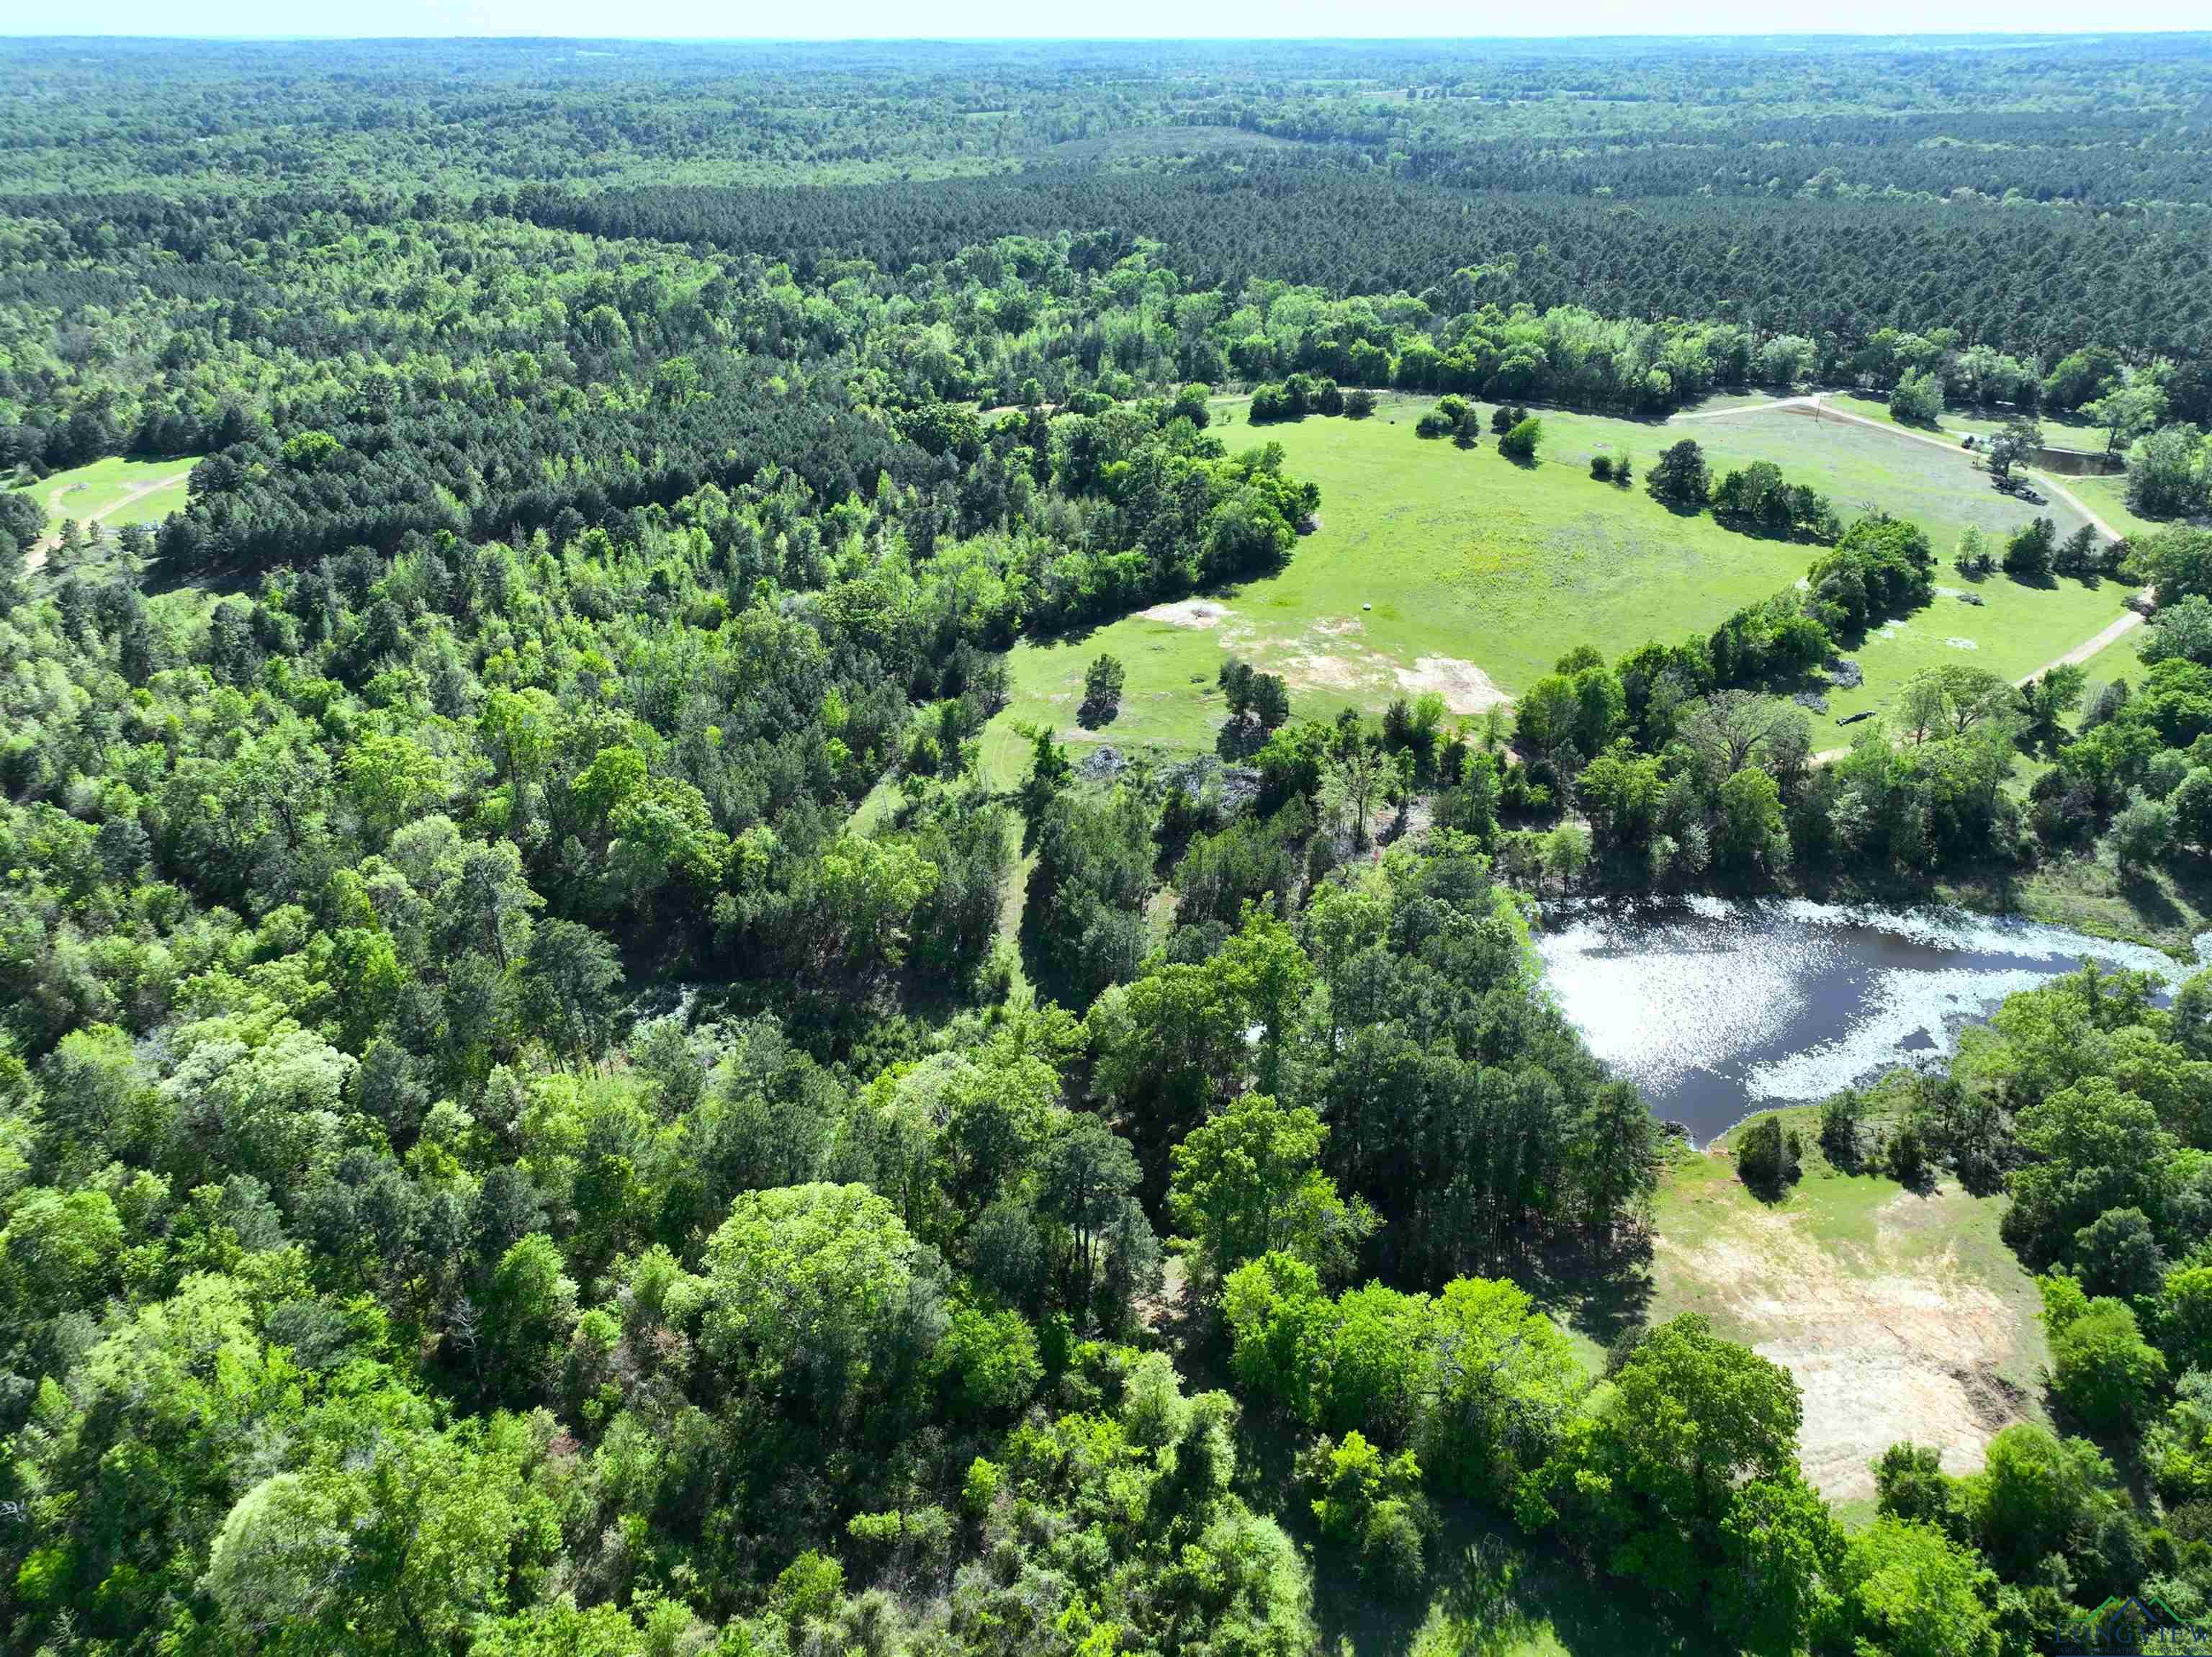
1859 469
1434 568
2059 431
2108 498
2015 630
115 491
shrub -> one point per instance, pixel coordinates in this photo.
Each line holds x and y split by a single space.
1520 443
2031 551
1766 1157
1681 477
1102 689
1841 1121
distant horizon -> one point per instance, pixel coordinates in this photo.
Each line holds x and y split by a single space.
983 22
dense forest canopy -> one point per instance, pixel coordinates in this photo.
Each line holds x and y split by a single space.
549 1103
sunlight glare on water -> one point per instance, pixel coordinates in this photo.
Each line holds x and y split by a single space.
1716 1008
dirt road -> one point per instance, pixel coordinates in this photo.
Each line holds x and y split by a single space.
2127 622
37 557
1747 408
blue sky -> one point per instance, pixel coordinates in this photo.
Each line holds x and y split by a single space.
1120 19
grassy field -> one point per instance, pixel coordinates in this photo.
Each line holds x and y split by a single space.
2108 498
115 492
1438 569
2059 431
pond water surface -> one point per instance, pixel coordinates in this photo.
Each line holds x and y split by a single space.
1716 1007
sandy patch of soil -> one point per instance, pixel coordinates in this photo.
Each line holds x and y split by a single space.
1198 613
1882 1350
1313 671
1339 626
1465 687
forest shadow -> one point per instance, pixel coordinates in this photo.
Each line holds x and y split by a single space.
1239 739
1488 1589
217 580
1601 1293
2148 899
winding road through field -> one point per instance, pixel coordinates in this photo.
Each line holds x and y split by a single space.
2126 623
37 557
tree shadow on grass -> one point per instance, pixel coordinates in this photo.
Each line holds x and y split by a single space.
1602 1292
1489 1590
2149 900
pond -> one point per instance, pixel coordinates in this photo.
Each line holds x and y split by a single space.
1719 1007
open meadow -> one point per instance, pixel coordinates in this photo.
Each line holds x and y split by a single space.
113 492
1457 571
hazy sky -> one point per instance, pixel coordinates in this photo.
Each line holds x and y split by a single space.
1116 19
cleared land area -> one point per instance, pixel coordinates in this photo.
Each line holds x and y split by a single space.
1902 1315
1434 568
112 492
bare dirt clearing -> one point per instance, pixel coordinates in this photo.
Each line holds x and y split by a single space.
1465 687
1884 1348
1199 613
1900 1315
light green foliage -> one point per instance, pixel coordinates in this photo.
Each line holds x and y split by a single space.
2035 1491
1505 1381
529 1309
1781 1550
990 1360
1520 442
2169 473
2100 1364
1917 400
870 891
411 1542
1914 1592
2184 1319
2096 1147
1371 1503
1476 1380
1652 1473
1751 838
816 1297
162 1404
1246 1184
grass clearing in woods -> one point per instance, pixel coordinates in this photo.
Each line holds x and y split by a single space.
1437 568
115 488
